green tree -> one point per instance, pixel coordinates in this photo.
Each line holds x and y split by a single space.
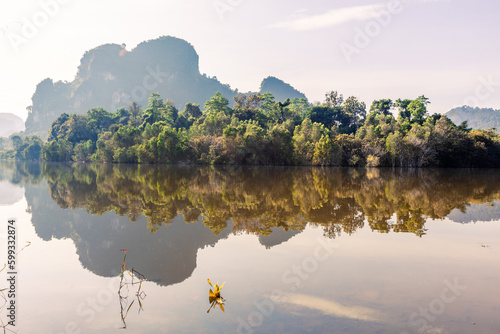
356 111
418 109
396 148
402 105
333 99
83 151
56 126
27 148
217 104
382 106
155 102
351 150
60 150
268 103
135 112
99 119
171 144
77 128
127 136
420 146
104 148
279 145
247 107
122 116
305 137
17 141
192 110
214 124
253 143
326 152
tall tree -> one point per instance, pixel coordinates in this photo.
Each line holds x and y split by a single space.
247 107
382 106
418 109
192 110
356 111
100 119
218 103
402 105
334 99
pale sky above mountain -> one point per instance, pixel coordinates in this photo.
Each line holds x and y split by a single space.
447 50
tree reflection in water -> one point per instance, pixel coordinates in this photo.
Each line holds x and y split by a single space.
260 199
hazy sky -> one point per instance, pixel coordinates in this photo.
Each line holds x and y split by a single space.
448 50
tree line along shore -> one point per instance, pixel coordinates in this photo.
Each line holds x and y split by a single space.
257 130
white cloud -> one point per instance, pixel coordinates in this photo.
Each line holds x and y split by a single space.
330 307
342 15
331 18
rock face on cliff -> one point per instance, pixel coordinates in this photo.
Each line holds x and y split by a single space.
111 77
9 124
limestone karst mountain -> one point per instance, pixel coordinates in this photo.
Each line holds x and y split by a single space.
110 76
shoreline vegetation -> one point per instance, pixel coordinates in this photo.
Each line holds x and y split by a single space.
257 130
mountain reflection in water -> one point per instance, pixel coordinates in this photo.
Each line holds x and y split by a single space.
177 210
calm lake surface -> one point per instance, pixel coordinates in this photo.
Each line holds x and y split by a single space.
301 250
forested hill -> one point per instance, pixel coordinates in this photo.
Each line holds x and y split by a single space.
477 118
112 77
280 90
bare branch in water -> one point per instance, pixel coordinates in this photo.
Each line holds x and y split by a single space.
136 278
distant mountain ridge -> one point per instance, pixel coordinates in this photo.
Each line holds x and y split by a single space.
280 89
477 118
10 124
111 77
